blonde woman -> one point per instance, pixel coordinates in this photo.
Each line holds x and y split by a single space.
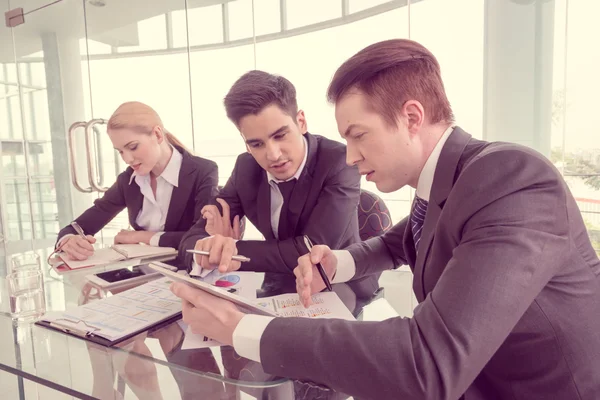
164 187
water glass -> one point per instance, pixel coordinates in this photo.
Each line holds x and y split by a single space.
25 261
26 293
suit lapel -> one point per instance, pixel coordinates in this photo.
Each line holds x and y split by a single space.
304 184
181 193
443 181
263 208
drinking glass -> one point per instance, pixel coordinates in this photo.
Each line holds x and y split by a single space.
26 294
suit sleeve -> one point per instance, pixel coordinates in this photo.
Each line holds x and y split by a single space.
102 212
380 253
337 205
197 232
206 188
513 242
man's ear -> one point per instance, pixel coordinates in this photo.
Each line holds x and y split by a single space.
301 122
414 114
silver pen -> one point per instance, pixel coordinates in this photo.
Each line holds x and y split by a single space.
206 253
78 229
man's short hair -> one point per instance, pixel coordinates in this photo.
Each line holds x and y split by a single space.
255 90
390 73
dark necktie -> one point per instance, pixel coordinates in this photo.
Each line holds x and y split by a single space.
286 189
417 218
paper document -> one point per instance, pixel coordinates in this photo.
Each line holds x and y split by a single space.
117 316
195 341
325 305
244 283
241 283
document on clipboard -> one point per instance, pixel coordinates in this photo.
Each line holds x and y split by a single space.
111 320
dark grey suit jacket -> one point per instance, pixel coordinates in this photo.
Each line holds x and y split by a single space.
323 205
198 180
508 285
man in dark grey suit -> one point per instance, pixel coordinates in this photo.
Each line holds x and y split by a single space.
287 184
507 280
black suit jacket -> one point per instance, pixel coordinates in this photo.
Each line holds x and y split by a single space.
198 179
323 205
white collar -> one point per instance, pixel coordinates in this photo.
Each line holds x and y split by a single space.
426 177
171 171
272 178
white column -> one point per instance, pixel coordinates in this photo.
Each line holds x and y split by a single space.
519 39
62 62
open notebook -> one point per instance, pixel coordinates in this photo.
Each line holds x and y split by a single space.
120 252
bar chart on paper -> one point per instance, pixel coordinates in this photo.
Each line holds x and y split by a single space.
325 305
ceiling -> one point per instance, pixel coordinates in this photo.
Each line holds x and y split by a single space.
114 22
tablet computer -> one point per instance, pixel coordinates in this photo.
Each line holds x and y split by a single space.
243 304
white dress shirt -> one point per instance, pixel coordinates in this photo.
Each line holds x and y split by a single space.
277 197
276 204
247 335
153 214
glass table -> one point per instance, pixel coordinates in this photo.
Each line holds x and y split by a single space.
37 362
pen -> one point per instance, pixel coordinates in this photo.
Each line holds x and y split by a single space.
78 229
320 268
206 253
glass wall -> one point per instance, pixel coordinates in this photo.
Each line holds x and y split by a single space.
514 71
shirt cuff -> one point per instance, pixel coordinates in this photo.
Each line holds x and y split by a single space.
197 270
62 239
246 336
155 239
346 268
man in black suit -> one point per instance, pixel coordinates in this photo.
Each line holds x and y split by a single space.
290 183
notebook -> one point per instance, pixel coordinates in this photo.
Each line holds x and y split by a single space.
120 252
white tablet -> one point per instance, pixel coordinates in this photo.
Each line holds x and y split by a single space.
243 304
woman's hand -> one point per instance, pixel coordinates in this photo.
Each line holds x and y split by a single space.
133 237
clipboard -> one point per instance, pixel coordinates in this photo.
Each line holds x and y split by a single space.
90 335
114 319
243 304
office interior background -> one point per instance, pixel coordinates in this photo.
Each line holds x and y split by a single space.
522 71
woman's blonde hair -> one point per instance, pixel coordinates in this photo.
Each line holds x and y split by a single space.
141 118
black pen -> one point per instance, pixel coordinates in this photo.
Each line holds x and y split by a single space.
320 268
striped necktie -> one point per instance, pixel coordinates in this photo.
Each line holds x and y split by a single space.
417 219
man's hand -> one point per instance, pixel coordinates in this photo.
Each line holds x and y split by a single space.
308 279
221 250
133 237
206 314
77 248
217 224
